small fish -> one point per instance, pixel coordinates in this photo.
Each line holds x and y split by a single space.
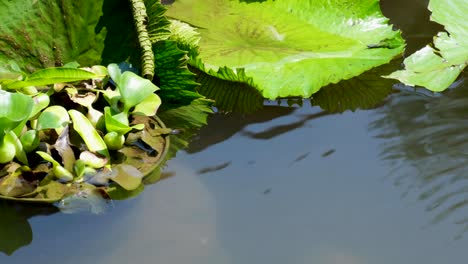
301 157
328 153
214 168
267 191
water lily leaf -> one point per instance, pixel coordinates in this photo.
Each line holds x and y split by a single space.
54 117
68 31
365 91
177 83
290 47
437 68
14 109
88 133
134 89
149 106
51 76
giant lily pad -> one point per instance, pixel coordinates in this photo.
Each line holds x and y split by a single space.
437 68
289 47
41 34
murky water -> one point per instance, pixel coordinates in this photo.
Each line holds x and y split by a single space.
290 185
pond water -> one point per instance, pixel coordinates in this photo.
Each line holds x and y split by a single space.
289 185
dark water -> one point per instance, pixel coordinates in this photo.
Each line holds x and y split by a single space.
290 185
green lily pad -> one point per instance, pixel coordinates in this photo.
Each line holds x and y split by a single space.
290 47
437 68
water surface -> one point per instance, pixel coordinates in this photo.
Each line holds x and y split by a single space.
292 185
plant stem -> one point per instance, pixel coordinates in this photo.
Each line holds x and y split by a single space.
140 19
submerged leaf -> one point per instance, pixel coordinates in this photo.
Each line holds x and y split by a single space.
127 176
290 47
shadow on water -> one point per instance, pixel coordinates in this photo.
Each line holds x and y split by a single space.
425 142
15 229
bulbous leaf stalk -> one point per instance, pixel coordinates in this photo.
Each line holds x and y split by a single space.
140 19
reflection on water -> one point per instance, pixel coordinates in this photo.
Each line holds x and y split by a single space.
426 143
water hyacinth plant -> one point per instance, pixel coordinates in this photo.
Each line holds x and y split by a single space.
74 131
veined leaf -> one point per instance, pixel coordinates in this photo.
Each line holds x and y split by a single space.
158 24
42 34
290 47
177 83
437 68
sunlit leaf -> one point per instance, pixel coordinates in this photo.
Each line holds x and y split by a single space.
134 89
50 76
290 47
436 68
14 108
53 117
88 133
149 106
68 31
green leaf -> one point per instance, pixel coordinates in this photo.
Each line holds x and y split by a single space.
365 91
53 75
177 83
14 109
437 68
149 106
53 117
158 24
116 122
20 154
41 101
231 92
88 133
134 89
83 30
30 140
290 47
116 192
